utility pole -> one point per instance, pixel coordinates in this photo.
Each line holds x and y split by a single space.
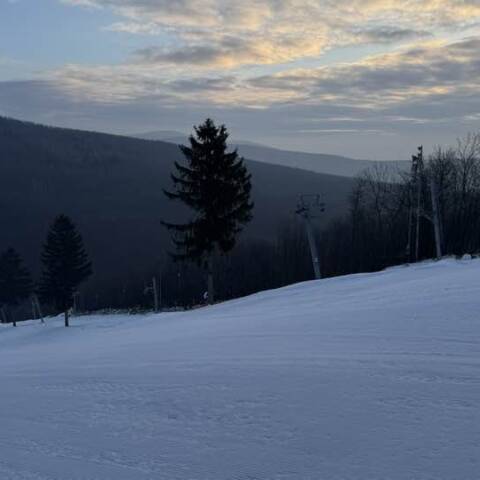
156 303
313 249
419 175
304 208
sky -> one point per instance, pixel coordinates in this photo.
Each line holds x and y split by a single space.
363 78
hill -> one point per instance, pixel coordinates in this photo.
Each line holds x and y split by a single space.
368 376
314 162
112 187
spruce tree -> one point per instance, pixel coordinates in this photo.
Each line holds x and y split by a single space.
216 186
15 281
65 263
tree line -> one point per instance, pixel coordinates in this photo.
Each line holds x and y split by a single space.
389 221
391 214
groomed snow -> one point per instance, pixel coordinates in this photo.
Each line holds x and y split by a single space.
373 376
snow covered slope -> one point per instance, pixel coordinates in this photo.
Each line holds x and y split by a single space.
372 376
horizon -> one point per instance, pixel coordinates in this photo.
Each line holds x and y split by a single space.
167 136
365 80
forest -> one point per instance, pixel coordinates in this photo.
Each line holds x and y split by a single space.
112 187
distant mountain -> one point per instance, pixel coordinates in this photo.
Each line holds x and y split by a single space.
314 162
171 136
176 137
112 187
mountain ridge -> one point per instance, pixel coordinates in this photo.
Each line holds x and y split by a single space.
112 187
329 164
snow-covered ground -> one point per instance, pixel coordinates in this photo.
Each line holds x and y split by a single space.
372 376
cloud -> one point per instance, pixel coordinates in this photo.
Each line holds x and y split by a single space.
388 34
227 53
423 84
431 87
230 33
431 69
286 69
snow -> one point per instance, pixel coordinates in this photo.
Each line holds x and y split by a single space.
372 376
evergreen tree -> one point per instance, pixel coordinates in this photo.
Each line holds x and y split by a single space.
216 185
65 264
15 281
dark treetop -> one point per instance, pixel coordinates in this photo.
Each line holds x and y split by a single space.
65 263
215 184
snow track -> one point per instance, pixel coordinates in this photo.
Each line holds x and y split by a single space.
373 376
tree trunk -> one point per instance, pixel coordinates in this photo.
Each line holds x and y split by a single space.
211 292
436 218
39 309
156 305
67 323
4 316
12 316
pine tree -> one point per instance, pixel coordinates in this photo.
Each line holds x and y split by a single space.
15 281
65 264
216 185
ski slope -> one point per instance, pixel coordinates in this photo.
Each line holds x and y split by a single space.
372 376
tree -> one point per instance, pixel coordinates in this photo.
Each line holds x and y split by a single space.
65 264
216 185
15 281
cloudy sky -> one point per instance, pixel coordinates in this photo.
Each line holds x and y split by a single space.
364 78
